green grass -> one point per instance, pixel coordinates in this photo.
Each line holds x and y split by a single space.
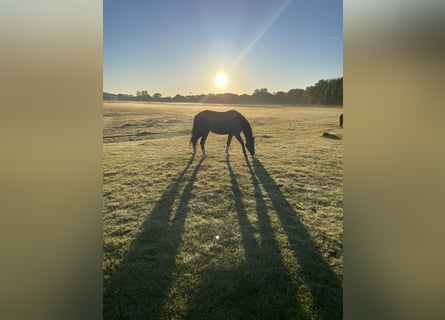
218 237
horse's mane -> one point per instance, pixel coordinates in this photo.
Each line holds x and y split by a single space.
246 127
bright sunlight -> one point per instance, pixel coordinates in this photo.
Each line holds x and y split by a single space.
221 80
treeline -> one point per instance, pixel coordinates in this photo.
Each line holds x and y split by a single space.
324 92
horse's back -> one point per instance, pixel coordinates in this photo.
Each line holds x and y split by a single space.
219 122
210 114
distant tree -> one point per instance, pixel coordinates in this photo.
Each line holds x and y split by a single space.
338 96
228 98
125 97
245 98
295 96
262 96
281 97
200 98
259 92
179 98
166 99
319 92
329 92
142 95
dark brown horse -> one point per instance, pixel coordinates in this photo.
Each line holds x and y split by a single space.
229 122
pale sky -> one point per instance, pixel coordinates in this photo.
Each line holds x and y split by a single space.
178 47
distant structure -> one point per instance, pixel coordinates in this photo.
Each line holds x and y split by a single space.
341 120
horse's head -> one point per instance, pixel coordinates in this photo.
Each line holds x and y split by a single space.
250 145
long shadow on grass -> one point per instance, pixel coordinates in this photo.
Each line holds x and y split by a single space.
138 287
259 288
324 285
275 294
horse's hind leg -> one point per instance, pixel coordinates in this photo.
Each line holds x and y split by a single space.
229 139
203 141
238 136
193 141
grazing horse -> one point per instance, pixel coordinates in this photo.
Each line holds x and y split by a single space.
229 122
341 120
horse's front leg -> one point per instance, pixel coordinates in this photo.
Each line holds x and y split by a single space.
238 136
229 139
203 141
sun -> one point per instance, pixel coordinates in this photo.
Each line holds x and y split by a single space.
221 80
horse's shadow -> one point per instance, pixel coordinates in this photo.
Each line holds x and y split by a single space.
324 285
139 286
137 289
262 287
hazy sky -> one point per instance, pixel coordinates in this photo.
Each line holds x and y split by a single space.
179 46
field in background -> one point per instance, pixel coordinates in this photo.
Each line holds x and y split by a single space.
222 237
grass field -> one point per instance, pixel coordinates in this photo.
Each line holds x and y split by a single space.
222 237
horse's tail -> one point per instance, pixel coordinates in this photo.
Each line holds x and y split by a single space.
192 141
